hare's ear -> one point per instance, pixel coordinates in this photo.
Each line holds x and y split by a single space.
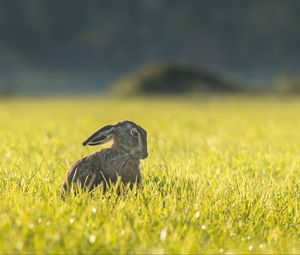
101 136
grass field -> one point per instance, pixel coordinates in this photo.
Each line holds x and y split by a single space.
223 176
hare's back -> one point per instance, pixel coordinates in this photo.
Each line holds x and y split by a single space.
86 172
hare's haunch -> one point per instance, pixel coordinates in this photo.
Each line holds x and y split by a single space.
121 160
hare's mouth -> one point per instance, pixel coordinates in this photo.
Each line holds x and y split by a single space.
140 155
145 155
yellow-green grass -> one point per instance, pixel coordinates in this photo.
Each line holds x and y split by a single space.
223 176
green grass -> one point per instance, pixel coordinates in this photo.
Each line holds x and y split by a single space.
222 177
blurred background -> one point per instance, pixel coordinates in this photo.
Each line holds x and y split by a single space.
62 47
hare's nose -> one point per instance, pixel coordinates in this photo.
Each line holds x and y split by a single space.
145 155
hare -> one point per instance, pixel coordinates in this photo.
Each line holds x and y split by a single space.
121 160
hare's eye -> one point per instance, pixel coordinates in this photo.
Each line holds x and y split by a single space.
134 133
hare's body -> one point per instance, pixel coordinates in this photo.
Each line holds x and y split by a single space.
103 167
106 166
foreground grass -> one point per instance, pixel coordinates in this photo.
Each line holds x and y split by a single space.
222 177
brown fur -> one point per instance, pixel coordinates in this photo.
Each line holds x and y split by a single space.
107 165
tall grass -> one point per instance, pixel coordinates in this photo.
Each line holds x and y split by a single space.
222 177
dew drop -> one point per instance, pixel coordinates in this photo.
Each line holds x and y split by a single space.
232 234
163 234
92 239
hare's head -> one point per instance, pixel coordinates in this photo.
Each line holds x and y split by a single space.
126 135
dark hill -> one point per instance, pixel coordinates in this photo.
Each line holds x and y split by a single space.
172 79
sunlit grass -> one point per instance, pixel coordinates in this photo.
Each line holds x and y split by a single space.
222 176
